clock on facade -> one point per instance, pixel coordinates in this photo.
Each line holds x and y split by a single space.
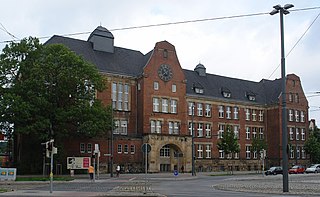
165 72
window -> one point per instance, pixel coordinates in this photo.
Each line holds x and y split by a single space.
247 114
156 85
261 115
236 131
297 115
291 152
298 152
208 110
119 148
261 135
247 133
297 133
236 155
200 151
126 97
221 130
255 155
125 149
120 87
296 98
290 97
200 129
199 109
290 115
254 115
291 133
165 105
156 104
228 112
303 153
121 127
191 108
208 130
221 154
165 151
132 149
173 106
114 95
248 152
303 135
165 53
173 127
89 148
254 132
302 119
235 113
191 127
199 90
174 88
155 126
221 111
82 148
208 151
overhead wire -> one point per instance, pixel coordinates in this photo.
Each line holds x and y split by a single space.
294 46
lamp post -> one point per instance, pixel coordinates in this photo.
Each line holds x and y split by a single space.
283 10
192 138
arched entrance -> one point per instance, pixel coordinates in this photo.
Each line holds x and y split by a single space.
170 158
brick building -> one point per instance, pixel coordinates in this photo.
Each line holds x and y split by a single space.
156 101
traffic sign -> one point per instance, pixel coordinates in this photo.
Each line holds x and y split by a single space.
146 146
175 173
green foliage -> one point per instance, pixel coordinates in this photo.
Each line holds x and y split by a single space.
228 143
259 144
47 91
312 147
50 90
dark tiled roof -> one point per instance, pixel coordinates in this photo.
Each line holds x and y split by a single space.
265 91
131 63
122 61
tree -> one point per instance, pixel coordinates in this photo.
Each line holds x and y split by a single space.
47 91
312 147
259 144
229 142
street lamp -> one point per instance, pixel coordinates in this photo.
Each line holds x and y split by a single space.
283 10
192 138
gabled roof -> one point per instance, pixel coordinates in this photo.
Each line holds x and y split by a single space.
122 61
265 91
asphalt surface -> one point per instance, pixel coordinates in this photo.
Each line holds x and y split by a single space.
166 184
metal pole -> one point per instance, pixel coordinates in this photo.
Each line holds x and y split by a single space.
192 136
284 111
94 167
51 168
146 168
111 171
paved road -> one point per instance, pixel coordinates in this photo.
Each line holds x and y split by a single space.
168 185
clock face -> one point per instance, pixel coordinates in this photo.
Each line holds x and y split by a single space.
165 72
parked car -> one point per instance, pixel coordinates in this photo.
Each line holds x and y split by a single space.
274 170
315 168
297 169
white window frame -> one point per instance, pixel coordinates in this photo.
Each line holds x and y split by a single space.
132 149
165 105
291 133
89 148
221 154
174 88
297 133
156 85
199 109
173 106
221 111
248 152
247 111
248 129
208 151
302 117
208 110
208 130
200 151
156 104
119 148
191 108
221 130
290 115
297 115
228 112
261 115
200 130
254 115
303 134
82 148
126 149
236 113
236 131
191 128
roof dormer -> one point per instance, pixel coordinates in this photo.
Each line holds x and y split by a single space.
201 70
102 40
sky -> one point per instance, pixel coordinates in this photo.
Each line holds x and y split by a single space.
239 47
